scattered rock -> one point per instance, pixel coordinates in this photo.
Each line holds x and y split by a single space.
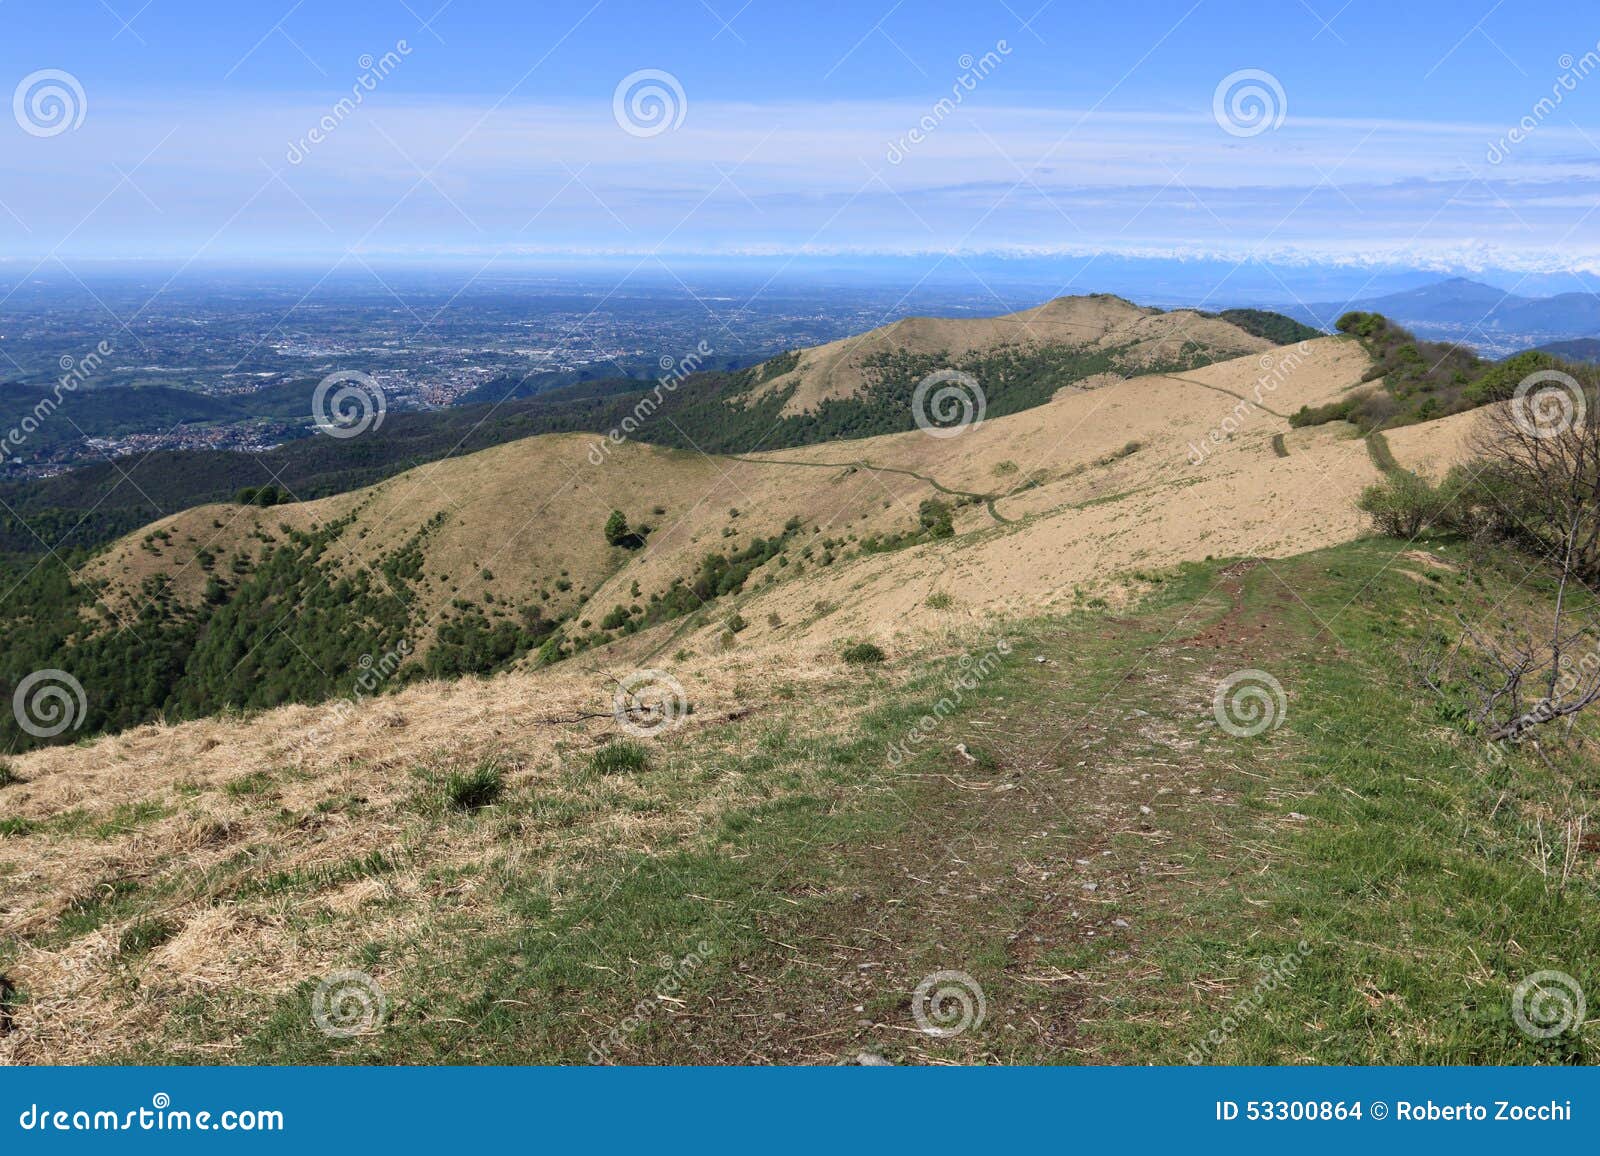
872 1060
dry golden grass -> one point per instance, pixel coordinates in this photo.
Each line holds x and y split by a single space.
255 840
1076 508
836 370
252 841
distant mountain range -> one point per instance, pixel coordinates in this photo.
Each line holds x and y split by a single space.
1482 316
1578 349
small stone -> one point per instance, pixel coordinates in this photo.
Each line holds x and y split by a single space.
1090 886
872 1060
1143 810
1120 923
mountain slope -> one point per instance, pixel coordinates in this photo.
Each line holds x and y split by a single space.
1111 327
485 848
1020 362
498 559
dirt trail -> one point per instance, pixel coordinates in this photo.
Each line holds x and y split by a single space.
861 464
1229 392
1052 845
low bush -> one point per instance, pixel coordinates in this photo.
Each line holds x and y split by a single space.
1403 504
862 653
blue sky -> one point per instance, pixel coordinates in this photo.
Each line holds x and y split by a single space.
216 132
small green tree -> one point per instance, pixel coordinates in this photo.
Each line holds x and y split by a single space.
935 517
1402 504
617 532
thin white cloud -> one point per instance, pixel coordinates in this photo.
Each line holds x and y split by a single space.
405 176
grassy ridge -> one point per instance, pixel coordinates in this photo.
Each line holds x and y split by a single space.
709 411
1117 874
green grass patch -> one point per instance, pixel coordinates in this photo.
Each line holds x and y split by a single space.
620 757
862 653
475 789
144 936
